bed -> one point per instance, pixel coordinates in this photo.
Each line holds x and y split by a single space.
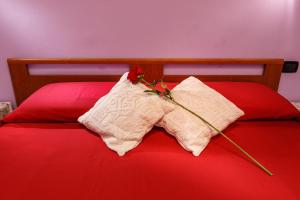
63 160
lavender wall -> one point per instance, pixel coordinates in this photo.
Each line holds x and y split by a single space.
144 28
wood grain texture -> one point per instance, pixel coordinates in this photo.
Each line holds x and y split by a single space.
25 84
145 61
272 74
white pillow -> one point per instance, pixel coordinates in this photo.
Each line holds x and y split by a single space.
125 115
191 132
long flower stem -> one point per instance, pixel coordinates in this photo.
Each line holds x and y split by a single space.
214 128
226 137
147 83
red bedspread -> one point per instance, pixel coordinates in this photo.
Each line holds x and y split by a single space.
65 161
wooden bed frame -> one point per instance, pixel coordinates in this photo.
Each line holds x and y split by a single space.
25 84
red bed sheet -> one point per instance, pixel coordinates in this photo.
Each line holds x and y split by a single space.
66 161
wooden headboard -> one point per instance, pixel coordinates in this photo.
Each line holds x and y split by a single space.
25 84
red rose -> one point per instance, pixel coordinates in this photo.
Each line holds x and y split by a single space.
135 74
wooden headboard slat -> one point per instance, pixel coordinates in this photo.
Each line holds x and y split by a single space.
251 61
25 84
241 78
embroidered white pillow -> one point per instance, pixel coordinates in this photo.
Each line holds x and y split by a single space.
191 132
125 115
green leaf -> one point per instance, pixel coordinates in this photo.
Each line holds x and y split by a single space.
153 91
150 91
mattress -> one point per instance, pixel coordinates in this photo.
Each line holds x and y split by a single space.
66 161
